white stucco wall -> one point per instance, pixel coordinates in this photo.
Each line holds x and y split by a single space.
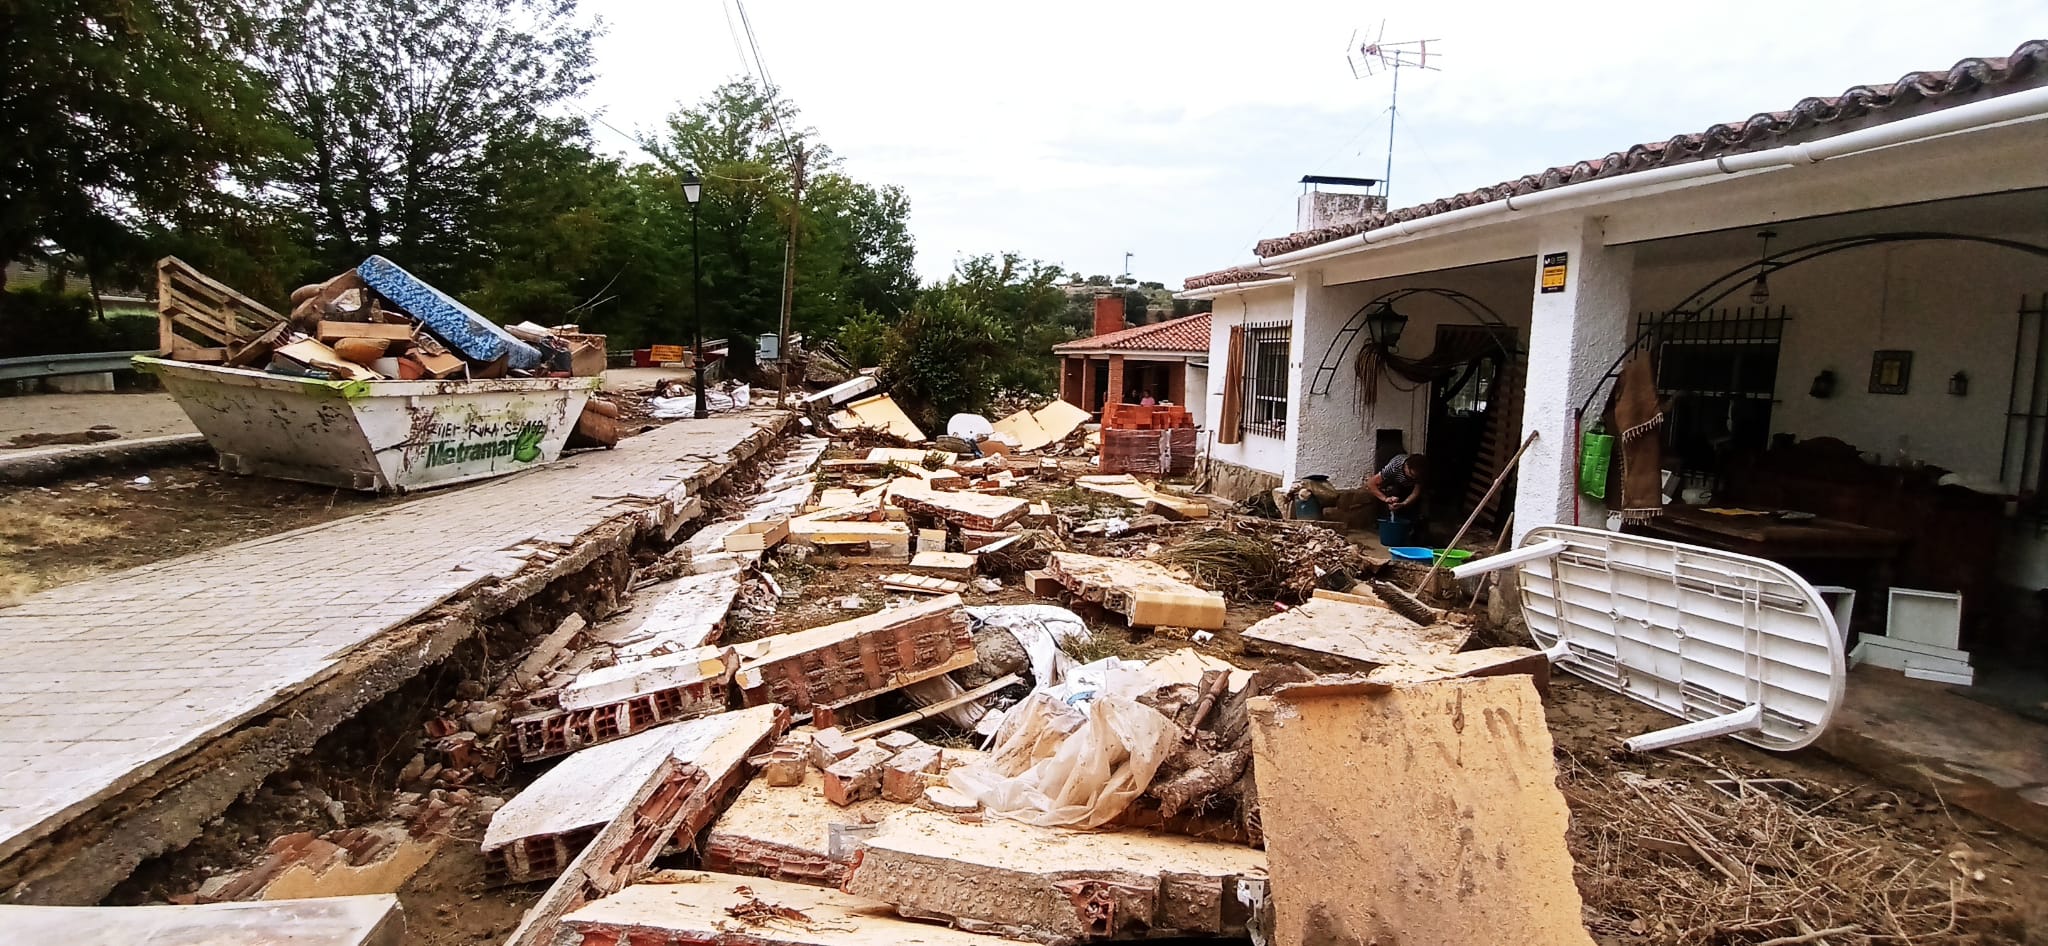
1953 305
1256 451
1196 384
1337 437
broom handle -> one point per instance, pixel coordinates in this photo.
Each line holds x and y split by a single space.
1484 501
1499 542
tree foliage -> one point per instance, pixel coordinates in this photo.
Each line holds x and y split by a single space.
988 329
408 109
275 143
120 116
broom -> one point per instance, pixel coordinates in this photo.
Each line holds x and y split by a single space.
1407 603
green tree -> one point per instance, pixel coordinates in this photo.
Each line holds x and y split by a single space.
864 338
410 109
854 249
943 358
119 117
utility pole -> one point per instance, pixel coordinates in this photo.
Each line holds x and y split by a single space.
796 211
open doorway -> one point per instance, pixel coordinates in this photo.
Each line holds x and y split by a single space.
1474 422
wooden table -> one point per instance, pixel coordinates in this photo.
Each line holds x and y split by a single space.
1772 538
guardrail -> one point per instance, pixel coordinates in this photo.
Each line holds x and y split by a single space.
54 366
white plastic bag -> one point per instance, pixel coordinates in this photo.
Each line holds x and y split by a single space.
1075 761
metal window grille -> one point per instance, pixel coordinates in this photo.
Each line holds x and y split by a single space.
2021 463
1722 353
1267 347
1718 374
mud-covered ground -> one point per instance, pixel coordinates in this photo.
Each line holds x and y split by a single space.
1837 847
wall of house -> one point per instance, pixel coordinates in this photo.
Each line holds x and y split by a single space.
1195 384
1257 451
1337 434
1953 305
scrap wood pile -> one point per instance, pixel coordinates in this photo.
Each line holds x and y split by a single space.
1710 860
374 322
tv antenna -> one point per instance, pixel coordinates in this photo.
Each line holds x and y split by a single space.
1376 56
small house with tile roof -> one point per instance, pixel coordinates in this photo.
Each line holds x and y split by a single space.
1838 308
1167 361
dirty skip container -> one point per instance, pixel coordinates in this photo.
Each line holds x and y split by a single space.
382 436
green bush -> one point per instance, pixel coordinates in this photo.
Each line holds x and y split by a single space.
40 321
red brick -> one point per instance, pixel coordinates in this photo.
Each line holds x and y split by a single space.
904 778
857 777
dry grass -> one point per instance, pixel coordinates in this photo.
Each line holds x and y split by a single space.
29 526
1677 860
1100 643
1242 567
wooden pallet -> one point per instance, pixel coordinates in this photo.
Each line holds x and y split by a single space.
194 309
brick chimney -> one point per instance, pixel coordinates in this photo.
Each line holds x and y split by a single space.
1109 313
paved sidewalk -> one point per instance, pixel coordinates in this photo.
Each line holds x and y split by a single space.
104 682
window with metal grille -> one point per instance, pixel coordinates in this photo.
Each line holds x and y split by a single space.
1267 346
1718 372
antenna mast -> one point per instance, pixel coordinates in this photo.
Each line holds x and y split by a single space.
1376 56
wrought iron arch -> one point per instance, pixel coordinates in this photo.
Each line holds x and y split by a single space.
1705 297
1333 356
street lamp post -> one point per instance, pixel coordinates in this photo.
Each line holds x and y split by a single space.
693 188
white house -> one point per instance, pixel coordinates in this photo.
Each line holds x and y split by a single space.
1858 278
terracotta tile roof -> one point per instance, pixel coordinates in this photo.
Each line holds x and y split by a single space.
1224 277
1189 334
1811 119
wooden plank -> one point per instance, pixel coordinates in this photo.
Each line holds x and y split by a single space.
894 723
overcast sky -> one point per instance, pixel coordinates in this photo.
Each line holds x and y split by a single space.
1178 131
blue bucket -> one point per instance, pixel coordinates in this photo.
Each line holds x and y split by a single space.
1395 531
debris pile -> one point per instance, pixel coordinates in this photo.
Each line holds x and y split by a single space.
409 387
374 322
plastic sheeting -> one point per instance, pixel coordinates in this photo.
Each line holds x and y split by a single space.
715 402
1073 755
1040 629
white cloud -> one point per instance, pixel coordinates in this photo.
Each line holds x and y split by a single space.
1076 131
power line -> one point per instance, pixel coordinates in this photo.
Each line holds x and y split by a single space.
767 82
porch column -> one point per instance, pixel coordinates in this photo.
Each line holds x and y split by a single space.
1087 401
1323 431
1115 394
1574 335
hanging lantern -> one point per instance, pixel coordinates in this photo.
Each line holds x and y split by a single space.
1384 326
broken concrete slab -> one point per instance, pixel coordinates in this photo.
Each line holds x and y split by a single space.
1146 593
725 910
618 854
1438 821
1055 885
687 615
853 660
1131 490
985 512
785 833
922 584
956 564
1487 662
698 676
326 921
1327 634
541 828
630 697
878 413
1036 430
